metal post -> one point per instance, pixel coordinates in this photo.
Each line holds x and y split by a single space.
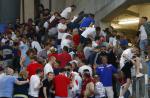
137 88
146 86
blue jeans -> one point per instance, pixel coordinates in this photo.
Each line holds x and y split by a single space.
143 44
127 94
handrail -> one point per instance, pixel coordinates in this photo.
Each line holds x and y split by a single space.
142 82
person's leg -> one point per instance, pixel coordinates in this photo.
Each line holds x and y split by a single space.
125 88
109 92
127 94
115 87
137 63
141 45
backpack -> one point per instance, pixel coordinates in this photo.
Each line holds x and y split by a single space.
147 28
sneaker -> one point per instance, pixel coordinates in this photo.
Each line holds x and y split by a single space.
139 75
121 96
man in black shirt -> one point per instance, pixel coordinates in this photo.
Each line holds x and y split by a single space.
46 91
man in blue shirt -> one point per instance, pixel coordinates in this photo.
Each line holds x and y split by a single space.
7 83
105 72
87 21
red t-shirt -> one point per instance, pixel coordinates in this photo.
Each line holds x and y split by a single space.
32 67
61 83
64 58
53 54
76 39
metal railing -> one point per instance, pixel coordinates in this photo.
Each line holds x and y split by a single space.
142 86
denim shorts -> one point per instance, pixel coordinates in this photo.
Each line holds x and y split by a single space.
148 63
143 44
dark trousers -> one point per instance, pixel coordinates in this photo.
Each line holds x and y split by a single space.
4 97
32 97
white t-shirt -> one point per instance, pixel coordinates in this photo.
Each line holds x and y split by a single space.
36 45
13 37
66 12
89 31
143 34
34 83
87 51
103 34
126 56
112 41
63 27
82 68
45 25
48 68
66 42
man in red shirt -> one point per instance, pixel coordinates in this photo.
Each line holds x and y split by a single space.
33 66
64 57
61 84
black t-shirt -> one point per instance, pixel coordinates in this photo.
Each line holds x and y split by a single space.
21 89
48 85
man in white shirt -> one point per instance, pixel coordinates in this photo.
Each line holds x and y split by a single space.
35 84
90 32
127 61
143 35
48 67
87 49
67 41
62 26
35 44
126 56
66 12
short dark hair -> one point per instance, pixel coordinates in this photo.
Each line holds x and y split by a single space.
30 51
46 44
86 73
91 15
62 70
98 28
73 6
11 67
65 48
144 17
39 71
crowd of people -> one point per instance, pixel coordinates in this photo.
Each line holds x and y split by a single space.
60 56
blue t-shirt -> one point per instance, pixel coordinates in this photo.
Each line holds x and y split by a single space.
124 42
23 48
7 85
86 22
105 73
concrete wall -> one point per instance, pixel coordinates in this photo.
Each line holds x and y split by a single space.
100 8
46 3
144 10
29 9
58 5
9 10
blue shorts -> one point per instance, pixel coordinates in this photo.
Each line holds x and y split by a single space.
143 44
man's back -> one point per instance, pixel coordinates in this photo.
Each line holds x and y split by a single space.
86 22
61 83
32 67
64 58
7 85
34 82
